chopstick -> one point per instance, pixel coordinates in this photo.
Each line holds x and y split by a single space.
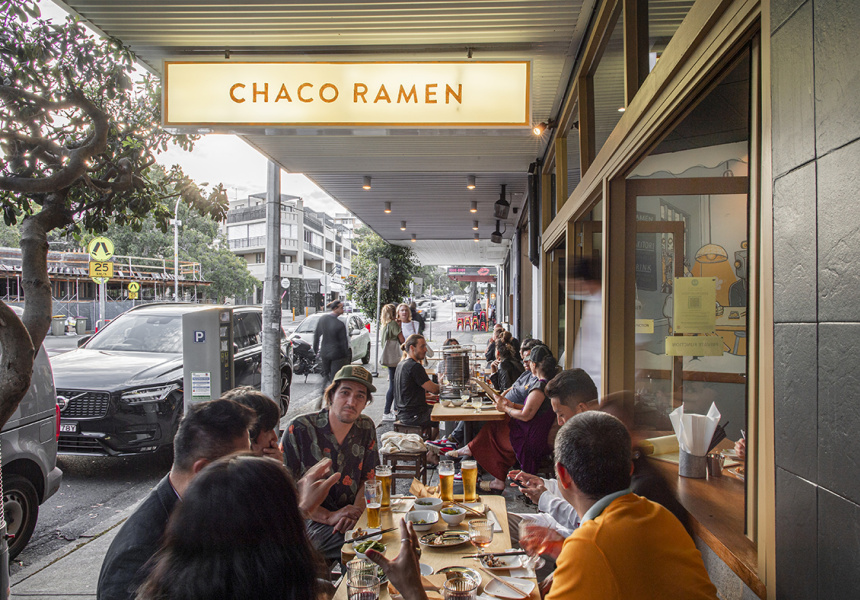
469 508
370 535
513 553
521 593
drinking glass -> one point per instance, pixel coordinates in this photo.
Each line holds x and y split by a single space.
469 471
359 567
383 476
481 533
362 587
373 498
446 479
460 588
532 540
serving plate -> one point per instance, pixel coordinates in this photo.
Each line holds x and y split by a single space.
507 562
446 539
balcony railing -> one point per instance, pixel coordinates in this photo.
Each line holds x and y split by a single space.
313 223
314 249
252 242
338 259
290 270
289 244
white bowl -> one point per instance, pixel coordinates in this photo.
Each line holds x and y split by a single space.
361 554
430 518
455 519
427 504
457 401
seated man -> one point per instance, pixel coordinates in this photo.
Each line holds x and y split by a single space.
341 433
412 384
627 546
264 438
208 431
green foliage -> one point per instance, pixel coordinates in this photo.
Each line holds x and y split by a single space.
78 135
362 286
10 237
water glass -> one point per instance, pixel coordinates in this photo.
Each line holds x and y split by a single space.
359 567
362 587
481 533
460 588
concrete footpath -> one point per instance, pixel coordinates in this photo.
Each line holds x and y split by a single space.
73 572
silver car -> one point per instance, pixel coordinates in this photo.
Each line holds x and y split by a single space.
356 330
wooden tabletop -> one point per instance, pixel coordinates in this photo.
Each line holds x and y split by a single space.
464 413
439 558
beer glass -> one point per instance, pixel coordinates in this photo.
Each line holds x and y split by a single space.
461 588
383 476
469 471
373 497
446 479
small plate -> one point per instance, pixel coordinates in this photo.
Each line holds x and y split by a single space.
347 537
508 562
502 591
738 472
446 539
730 453
425 569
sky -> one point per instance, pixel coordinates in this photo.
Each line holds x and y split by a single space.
228 160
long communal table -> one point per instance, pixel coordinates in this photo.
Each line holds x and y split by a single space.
466 414
439 558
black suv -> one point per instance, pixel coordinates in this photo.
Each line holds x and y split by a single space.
120 392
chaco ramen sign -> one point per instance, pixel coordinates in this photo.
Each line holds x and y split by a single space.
392 94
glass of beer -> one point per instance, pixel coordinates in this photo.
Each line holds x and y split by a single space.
469 471
446 479
373 497
383 476
481 533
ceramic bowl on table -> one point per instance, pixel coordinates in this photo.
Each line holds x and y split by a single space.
422 520
457 402
362 547
453 515
427 504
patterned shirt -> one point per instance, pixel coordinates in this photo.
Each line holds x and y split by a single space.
309 438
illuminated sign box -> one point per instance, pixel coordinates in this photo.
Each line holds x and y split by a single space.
392 94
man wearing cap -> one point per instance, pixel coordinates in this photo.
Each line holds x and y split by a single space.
342 433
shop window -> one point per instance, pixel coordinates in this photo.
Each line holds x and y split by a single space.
573 165
608 86
664 18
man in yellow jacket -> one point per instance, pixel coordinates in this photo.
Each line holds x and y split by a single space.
626 546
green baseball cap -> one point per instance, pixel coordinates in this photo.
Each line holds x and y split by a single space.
356 373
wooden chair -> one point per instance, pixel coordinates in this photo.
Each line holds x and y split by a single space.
408 465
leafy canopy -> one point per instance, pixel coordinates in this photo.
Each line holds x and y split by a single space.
362 285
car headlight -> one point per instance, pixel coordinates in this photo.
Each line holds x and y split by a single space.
149 394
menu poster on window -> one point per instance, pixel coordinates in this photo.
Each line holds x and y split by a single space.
694 345
646 256
695 305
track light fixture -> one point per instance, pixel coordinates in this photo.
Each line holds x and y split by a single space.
474 208
366 185
470 182
387 208
402 225
414 237
496 236
477 237
541 127
475 225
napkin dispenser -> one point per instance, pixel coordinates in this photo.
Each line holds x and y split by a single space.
694 437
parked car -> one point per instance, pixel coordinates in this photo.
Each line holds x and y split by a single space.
122 388
348 306
28 444
427 309
356 329
460 301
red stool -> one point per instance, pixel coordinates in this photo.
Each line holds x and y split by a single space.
461 323
475 323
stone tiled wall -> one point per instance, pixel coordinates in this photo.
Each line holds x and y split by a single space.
815 68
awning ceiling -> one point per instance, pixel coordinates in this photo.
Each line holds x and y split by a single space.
421 172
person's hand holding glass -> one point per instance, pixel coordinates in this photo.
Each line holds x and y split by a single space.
536 540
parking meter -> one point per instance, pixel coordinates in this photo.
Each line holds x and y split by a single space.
207 353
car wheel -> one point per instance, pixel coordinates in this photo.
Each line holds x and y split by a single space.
21 508
366 358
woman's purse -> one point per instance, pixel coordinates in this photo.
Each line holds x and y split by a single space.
391 353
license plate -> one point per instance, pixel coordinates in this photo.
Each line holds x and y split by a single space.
68 427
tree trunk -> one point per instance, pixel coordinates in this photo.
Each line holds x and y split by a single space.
19 338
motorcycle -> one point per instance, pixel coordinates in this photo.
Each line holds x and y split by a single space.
304 360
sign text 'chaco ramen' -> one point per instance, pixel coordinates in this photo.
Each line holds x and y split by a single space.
428 94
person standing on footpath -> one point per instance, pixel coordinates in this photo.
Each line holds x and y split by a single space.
334 348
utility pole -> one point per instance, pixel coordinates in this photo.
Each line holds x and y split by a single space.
176 224
271 367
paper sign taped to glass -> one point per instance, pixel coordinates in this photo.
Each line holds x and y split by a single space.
695 299
694 345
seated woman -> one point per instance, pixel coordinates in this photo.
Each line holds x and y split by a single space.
260 551
508 368
264 438
523 437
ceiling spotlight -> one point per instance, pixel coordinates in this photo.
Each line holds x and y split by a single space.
388 208
621 109
477 237
470 182
541 127
475 225
366 182
402 225
474 208
502 206
414 237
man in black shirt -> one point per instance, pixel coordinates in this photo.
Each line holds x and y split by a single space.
334 349
412 384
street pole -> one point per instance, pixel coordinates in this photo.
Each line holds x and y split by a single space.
378 309
176 225
102 312
271 367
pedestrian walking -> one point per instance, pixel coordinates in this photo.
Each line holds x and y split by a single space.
331 342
